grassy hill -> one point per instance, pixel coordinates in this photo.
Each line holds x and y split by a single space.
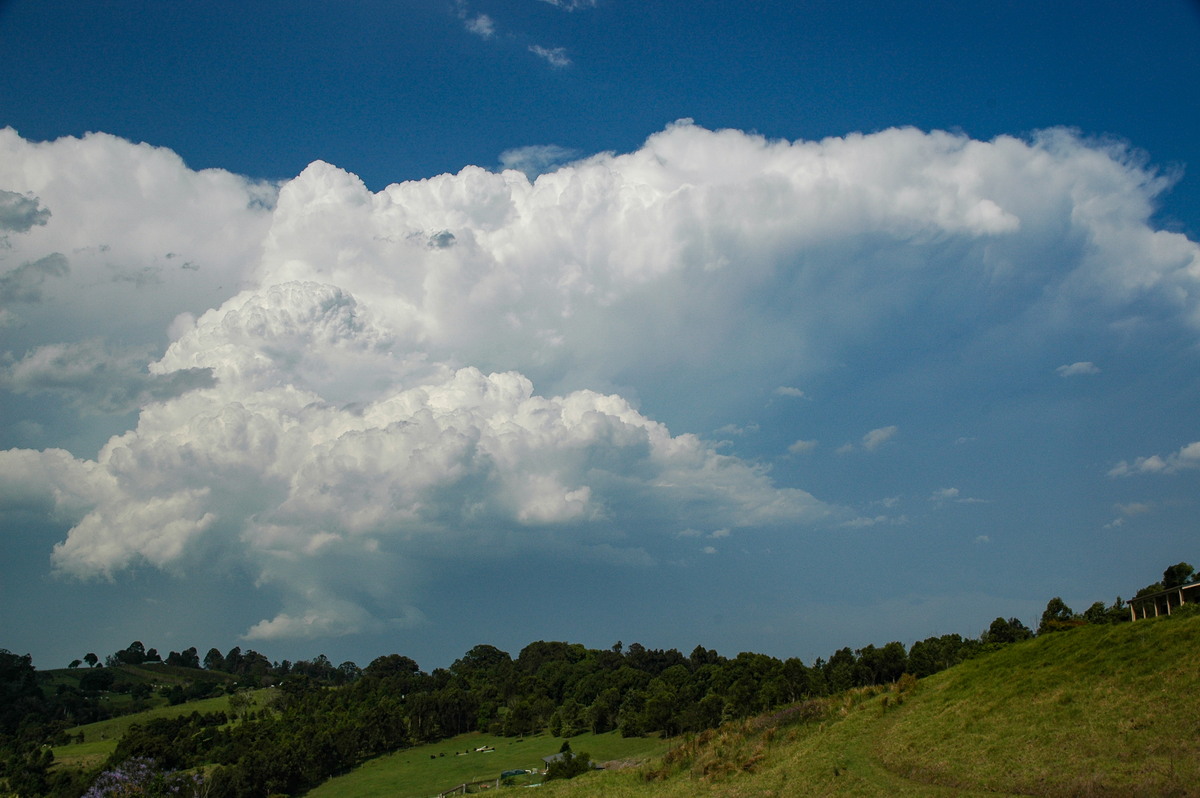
100 738
1095 711
429 769
118 700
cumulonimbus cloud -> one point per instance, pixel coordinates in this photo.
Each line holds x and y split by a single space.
446 366
260 468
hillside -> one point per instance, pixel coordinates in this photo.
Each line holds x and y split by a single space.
96 741
1094 711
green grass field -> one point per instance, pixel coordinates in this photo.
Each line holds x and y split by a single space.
1096 711
429 769
100 739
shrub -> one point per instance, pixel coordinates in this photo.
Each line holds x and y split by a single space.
569 765
140 777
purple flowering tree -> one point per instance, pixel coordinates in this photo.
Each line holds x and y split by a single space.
141 778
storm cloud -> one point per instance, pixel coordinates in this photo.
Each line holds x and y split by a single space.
347 384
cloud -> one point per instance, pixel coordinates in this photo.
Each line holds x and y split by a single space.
132 228
97 379
870 441
24 283
258 468
1127 511
785 390
735 429
1187 457
361 388
1077 370
20 212
579 269
536 159
555 56
479 24
482 26
866 522
324 615
52 482
954 495
878 437
802 447
571 5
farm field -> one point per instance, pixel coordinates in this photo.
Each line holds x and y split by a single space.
429 769
100 738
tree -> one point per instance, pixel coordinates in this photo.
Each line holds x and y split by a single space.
213 660
135 654
1177 575
240 704
1057 617
602 713
568 765
1010 631
141 776
187 658
839 671
75 663
97 679
91 659
1098 613
880 665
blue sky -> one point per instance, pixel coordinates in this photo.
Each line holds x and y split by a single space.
404 326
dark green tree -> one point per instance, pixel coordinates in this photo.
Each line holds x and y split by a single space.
213 660
1177 575
188 658
1057 617
1010 631
568 765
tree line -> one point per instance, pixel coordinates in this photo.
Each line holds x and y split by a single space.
325 719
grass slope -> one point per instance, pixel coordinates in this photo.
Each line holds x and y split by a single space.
100 738
1096 711
427 770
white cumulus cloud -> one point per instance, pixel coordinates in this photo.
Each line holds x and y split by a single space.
1187 457
878 437
260 468
1082 369
337 385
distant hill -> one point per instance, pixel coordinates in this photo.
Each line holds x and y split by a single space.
1106 710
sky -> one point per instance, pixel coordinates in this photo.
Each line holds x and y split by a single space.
368 327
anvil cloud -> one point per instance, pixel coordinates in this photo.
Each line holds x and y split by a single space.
335 389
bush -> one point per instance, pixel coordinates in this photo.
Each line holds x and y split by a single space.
569 765
1186 610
